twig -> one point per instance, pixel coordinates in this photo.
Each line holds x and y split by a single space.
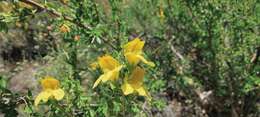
55 13
175 51
255 55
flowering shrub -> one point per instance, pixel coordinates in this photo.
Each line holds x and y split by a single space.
130 58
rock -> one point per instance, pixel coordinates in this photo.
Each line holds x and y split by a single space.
173 109
24 79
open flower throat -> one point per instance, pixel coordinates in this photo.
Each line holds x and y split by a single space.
135 83
133 51
110 68
51 89
50 83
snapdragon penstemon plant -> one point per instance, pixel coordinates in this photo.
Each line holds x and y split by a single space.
133 82
127 75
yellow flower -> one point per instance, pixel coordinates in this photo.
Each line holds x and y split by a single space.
133 52
135 83
64 28
110 68
51 89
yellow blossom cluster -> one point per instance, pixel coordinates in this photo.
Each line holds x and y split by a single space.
111 69
133 52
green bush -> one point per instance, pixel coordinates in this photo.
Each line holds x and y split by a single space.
206 55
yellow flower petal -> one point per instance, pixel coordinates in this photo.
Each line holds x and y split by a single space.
135 83
127 88
49 83
107 76
104 78
115 73
142 92
97 81
50 89
107 63
133 52
132 58
44 96
136 78
134 46
110 75
58 94
145 61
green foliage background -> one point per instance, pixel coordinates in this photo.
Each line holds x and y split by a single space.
198 46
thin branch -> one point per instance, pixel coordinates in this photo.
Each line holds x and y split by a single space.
255 55
175 51
55 13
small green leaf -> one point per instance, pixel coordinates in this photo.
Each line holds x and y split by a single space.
3 82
